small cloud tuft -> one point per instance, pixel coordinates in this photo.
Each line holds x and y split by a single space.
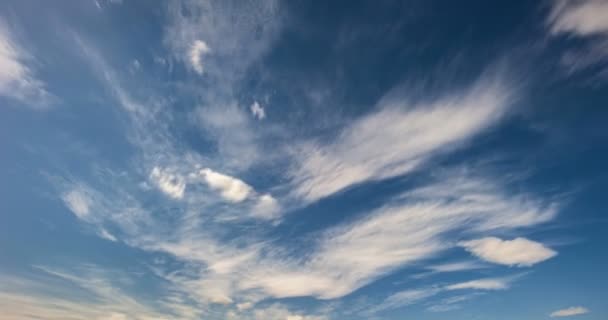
572 311
257 111
197 50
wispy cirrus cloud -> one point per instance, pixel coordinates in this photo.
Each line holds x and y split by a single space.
411 296
585 20
101 295
221 265
581 18
18 80
411 133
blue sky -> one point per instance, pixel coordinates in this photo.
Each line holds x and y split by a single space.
303 160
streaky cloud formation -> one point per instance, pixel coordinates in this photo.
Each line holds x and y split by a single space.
585 19
17 79
266 160
410 135
481 284
582 18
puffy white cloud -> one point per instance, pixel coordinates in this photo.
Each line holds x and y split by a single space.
480 284
230 188
78 202
171 184
517 252
17 80
197 50
257 111
396 139
572 311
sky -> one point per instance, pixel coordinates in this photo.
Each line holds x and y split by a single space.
303 160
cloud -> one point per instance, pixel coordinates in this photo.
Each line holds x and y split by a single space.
452 303
411 133
230 128
519 252
17 80
480 284
407 231
78 202
236 42
198 49
403 298
455 266
257 111
223 265
106 235
584 19
169 183
266 207
411 296
101 295
572 311
581 18
230 188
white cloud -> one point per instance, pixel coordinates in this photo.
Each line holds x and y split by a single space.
230 188
78 202
480 284
517 252
235 42
409 135
257 111
171 184
346 257
411 296
197 50
230 128
455 266
107 235
584 19
17 80
581 18
572 311
408 231
101 296
266 207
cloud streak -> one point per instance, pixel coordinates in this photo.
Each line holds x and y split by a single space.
410 135
17 79
568 312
